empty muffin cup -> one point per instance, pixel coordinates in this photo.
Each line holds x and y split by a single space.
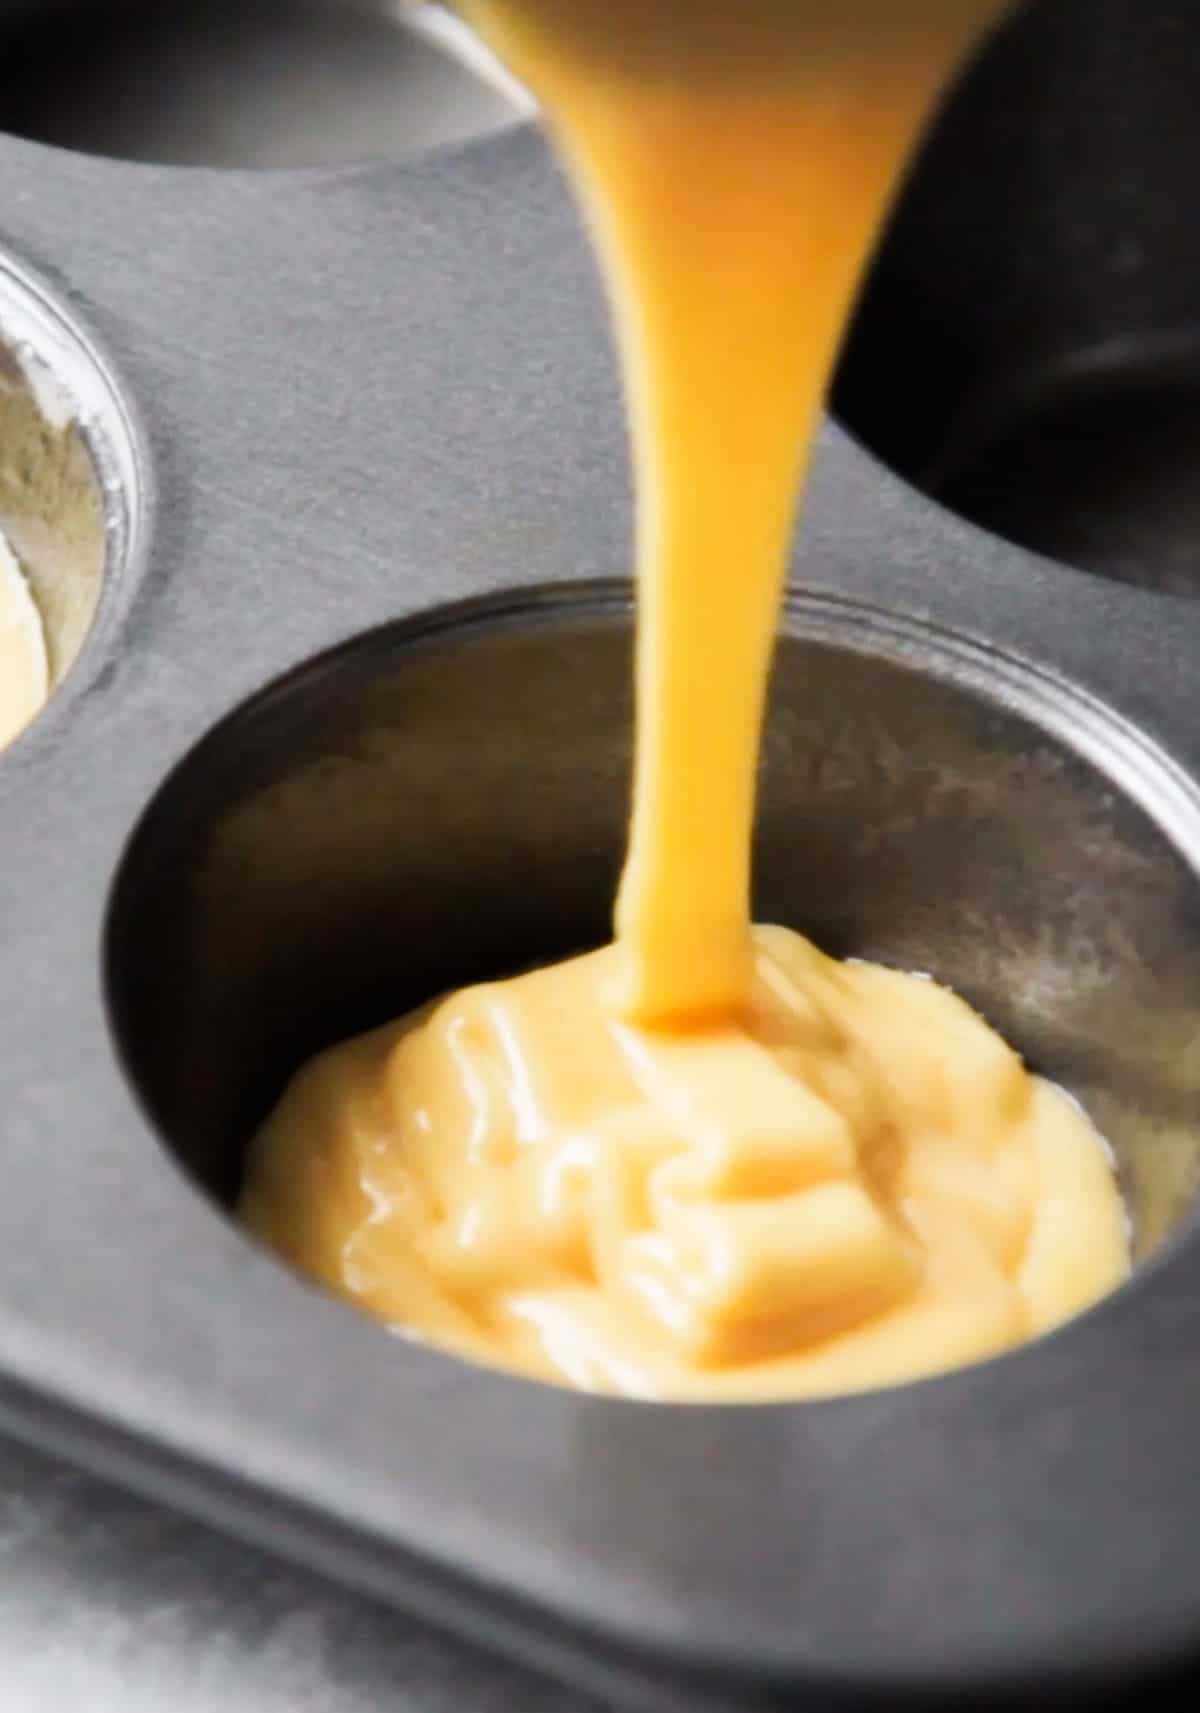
444 801
241 83
1027 349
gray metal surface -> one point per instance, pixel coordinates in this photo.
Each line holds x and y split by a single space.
363 394
110 1605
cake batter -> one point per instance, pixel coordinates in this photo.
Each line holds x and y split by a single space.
706 1162
24 673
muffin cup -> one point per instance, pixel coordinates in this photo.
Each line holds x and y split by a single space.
351 725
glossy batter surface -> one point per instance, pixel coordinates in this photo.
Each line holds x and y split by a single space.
706 1162
856 1183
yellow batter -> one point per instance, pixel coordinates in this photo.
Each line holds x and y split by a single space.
736 162
24 673
856 1183
706 1162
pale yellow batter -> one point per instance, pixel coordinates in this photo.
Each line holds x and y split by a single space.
24 674
706 1162
857 1183
736 162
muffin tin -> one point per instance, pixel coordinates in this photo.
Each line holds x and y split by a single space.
351 724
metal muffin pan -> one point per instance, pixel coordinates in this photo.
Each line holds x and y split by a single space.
246 83
352 722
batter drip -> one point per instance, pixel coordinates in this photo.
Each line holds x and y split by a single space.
706 1162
